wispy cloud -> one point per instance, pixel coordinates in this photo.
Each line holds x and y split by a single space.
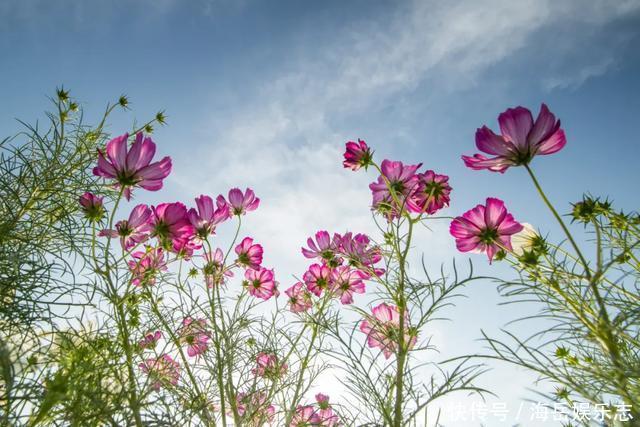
285 143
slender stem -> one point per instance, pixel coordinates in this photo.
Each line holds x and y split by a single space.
402 346
555 213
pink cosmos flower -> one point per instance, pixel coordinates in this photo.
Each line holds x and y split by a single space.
150 340
325 248
133 231
357 155
327 417
254 409
163 371
195 335
299 298
268 366
431 193
170 224
92 206
402 179
485 228
522 139
382 329
345 282
317 278
358 250
249 254
146 265
132 167
206 218
240 203
260 283
214 271
305 416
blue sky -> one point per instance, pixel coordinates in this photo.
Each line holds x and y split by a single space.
264 94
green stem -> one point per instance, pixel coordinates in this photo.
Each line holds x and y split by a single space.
555 213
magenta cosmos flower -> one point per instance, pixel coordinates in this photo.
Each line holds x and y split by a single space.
305 416
205 218
171 225
317 278
398 177
132 167
382 329
194 334
260 283
133 231
299 298
268 366
92 206
345 282
485 228
357 155
249 254
521 140
163 371
240 203
150 340
146 265
431 193
324 246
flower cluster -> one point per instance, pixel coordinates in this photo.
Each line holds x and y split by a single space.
343 264
400 189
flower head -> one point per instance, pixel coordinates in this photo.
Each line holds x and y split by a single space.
345 282
240 203
92 206
150 340
382 329
522 139
261 283
205 218
146 265
431 193
299 298
194 334
133 231
171 225
485 228
357 155
317 278
396 177
249 254
132 167
324 246
163 371
268 366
